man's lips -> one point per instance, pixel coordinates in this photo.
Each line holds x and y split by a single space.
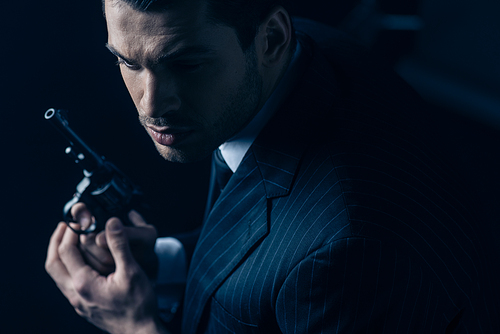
168 136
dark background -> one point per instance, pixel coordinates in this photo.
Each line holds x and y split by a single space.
53 55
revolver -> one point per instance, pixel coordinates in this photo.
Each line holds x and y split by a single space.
104 189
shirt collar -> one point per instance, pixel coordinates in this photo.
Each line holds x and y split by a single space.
236 147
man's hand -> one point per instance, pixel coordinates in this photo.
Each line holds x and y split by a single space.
122 302
94 247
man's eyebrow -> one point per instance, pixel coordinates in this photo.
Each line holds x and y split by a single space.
116 53
188 51
185 52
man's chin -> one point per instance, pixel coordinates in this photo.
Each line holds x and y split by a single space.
181 155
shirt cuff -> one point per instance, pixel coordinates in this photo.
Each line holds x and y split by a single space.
171 261
171 279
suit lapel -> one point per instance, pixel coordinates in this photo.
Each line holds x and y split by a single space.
239 217
237 221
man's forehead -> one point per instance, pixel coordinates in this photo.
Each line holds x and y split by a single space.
152 5
148 36
188 14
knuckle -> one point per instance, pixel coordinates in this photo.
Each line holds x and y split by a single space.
80 311
75 302
78 304
63 248
83 289
49 265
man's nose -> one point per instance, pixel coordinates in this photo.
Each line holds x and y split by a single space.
160 95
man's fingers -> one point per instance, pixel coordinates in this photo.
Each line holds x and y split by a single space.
84 280
119 246
143 232
55 240
100 261
100 240
69 252
53 264
136 219
93 244
141 236
81 215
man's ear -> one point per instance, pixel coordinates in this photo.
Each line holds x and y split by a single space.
274 37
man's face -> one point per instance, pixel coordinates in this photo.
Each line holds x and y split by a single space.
191 83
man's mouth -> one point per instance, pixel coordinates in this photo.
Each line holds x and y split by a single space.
168 136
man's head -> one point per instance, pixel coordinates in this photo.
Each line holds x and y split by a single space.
244 16
195 75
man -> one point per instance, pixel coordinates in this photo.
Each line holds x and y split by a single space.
336 219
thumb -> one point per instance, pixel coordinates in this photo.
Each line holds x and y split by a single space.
118 245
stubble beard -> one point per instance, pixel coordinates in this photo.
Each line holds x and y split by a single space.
235 115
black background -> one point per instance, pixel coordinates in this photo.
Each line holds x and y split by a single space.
53 55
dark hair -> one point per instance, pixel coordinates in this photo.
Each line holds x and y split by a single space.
244 16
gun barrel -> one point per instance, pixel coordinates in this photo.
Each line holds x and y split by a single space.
86 157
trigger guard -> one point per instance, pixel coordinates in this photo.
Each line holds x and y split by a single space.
87 231
91 229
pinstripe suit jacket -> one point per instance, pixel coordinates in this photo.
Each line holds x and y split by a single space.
339 220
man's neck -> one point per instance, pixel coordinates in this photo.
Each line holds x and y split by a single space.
234 149
272 76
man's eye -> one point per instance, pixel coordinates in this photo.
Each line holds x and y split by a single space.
127 64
